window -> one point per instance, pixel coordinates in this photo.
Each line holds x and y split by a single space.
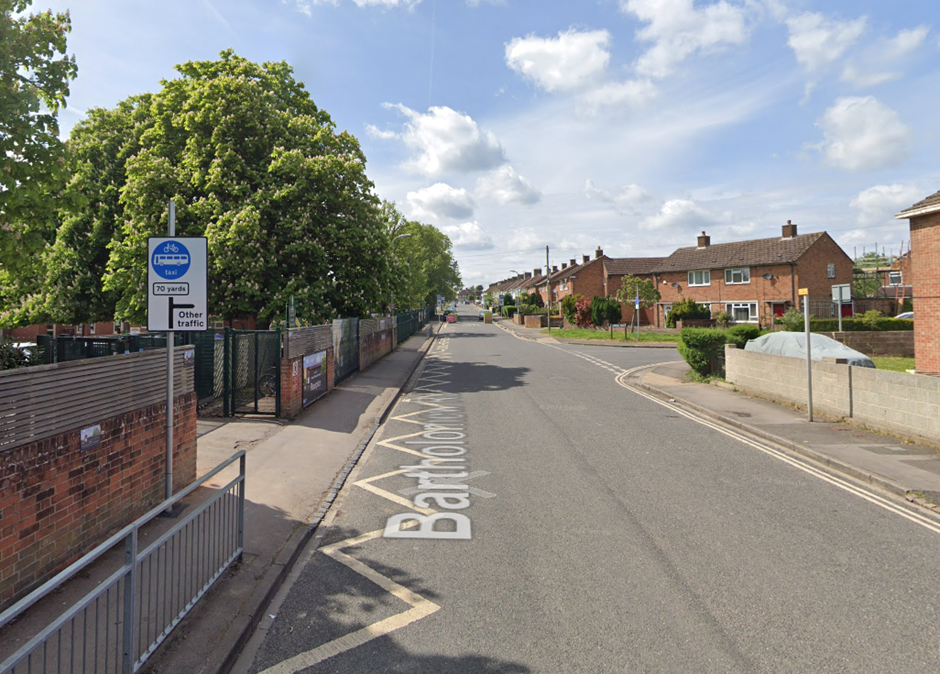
743 312
738 275
832 270
700 278
894 278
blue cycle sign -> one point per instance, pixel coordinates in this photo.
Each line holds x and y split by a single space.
170 260
176 284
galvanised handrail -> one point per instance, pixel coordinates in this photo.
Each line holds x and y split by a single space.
195 552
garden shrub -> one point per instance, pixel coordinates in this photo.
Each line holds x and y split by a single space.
582 312
508 310
12 357
604 310
687 309
739 335
722 319
509 300
792 320
568 307
700 347
870 319
851 325
534 299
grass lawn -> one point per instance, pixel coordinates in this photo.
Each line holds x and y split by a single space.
618 335
893 363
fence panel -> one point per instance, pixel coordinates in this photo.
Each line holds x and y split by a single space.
255 371
117 626
345 347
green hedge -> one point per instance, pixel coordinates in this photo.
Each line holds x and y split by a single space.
508 311
700 347
739 335
855 325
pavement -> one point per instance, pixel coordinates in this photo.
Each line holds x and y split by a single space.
295 470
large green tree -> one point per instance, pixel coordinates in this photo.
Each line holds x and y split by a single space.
34 82
253 165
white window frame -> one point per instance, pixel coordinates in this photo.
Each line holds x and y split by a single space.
831 270
895 278
706 277
753 315
743 272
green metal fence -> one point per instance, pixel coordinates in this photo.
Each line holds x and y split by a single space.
409 322
66 347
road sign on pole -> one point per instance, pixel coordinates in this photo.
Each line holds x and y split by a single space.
176 284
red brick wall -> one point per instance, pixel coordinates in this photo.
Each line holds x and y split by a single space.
925 277
292 383
811 269
57 502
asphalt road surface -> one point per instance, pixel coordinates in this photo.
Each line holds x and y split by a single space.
578 526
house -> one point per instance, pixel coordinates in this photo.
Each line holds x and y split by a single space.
924 220
616 268
754 281
585 278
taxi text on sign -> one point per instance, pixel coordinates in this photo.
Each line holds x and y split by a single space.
176 284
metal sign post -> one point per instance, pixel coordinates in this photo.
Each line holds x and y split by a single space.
809 354
840 294
176 301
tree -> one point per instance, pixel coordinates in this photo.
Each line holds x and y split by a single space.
534 299
633 286
605 310
568 307
34 83
582 312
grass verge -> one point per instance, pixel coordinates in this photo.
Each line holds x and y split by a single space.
604 335
893 363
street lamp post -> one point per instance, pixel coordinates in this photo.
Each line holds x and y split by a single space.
400 236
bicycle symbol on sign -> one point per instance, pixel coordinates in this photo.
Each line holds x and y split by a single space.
171 247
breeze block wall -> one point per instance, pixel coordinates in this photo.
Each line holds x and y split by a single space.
894 402
60 496
376 340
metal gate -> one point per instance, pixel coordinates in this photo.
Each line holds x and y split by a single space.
345 347
253 372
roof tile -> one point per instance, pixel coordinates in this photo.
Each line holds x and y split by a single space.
739 254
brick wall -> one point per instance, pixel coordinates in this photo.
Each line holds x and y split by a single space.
292 383
878 343
375 340
894 402
57 502
812 268
925 277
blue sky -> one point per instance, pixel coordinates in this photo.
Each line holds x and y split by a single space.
626 124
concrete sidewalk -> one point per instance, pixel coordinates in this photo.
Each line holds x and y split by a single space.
908 470
294 471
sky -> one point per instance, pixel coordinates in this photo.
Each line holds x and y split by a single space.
629 125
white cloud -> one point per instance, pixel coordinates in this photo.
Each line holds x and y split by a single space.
440 201
376 132
678 29
526 240
907 41
624 199
817 41
469 236
680 213
572 61
305 6
854 76
862 133
631 94
505 186
879 204
447 140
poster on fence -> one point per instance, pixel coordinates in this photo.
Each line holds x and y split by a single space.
314 378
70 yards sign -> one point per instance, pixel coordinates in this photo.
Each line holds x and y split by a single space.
176 284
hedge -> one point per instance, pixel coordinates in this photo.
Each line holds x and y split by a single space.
700 347
739 335
508 310
856 325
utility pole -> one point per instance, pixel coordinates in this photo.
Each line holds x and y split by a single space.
548 289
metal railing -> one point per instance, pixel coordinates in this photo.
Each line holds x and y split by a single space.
120 623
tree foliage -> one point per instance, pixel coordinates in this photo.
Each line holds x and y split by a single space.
633 286
687 309
605 310
34 83
582 312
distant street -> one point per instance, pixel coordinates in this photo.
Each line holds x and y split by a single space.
571 524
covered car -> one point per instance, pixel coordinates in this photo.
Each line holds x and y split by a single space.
794 344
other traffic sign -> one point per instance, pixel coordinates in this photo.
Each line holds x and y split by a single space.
176 284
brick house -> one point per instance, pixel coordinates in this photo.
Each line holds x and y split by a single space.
616 268
754 281
924 219
585 278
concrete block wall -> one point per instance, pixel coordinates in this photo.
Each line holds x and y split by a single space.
893 402
57 502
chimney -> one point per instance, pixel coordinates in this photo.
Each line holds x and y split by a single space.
598 253
572 262
789 230
585 259
528 274
537 271
564 265
704 241
554 268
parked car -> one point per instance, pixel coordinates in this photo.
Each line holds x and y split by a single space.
793 344
481 315
906 314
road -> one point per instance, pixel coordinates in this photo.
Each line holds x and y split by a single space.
584 527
